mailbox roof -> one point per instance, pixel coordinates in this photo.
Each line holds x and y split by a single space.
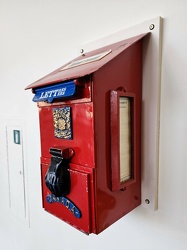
87 64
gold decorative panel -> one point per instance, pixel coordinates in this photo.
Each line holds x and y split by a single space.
62 123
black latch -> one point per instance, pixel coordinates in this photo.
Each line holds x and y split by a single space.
57 178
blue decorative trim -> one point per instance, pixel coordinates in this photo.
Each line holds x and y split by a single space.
66 202
49 93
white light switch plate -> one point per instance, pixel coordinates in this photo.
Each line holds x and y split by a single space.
17 171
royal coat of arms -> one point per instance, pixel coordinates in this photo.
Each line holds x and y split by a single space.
62 123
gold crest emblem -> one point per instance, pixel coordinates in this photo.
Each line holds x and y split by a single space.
62 123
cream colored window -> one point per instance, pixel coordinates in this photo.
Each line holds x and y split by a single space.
125 138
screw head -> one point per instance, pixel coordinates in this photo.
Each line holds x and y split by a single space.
151 26
82 51
147 201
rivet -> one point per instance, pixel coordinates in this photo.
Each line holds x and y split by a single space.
82 51
151 26
147 201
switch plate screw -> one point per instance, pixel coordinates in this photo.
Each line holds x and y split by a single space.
151 26
147 201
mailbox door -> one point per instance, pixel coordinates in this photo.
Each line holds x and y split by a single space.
74 208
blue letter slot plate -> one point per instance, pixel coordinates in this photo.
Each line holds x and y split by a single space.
49 93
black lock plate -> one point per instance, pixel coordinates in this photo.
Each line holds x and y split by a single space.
57 178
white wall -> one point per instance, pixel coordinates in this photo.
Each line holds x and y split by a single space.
38 36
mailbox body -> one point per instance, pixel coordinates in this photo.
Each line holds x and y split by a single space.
96 198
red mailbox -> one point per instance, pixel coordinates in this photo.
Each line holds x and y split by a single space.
90 127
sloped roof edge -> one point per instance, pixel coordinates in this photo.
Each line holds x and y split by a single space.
86 64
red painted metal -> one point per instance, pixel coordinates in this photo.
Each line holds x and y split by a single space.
88 68
96 158
79 185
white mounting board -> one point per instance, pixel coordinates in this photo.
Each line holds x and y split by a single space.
150 101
